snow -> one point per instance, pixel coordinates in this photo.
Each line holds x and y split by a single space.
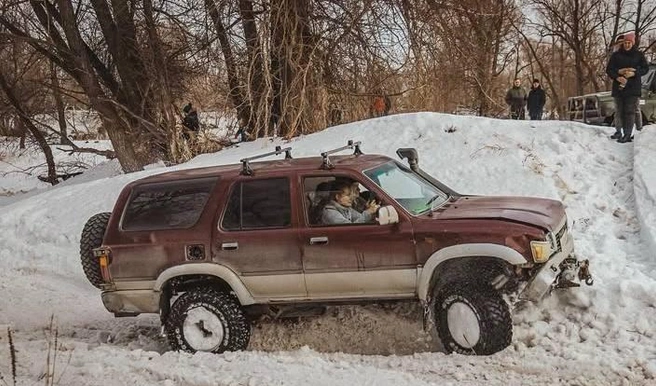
600 335
645 187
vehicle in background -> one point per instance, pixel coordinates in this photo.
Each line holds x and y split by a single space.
599 108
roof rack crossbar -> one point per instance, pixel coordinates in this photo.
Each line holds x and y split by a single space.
245 162
326 164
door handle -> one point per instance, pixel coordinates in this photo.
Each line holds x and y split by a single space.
318 240
230 246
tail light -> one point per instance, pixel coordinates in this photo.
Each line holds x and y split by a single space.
104 260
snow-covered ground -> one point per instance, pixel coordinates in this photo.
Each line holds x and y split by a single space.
600 335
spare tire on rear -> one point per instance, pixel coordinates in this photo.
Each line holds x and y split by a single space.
92 237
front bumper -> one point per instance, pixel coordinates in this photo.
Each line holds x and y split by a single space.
559 271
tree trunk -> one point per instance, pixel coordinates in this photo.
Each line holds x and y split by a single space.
259 105
291 51
236 96
162 90
59 105
578 69
22 133
27 122
120 122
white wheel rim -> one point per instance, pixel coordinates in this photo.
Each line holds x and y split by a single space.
202 329
463 324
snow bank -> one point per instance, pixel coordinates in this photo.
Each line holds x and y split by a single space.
645 185
600 335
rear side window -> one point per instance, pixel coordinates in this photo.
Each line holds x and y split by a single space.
167 205
258 204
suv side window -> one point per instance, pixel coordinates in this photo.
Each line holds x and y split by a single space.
318 191
257 204
170 205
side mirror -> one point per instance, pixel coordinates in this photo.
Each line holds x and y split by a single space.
387 215
411 154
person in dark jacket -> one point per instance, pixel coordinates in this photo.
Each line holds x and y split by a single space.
516 99
619 41
536 100
190 120
625 67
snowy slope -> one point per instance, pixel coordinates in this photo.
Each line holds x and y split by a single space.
597 335
645 187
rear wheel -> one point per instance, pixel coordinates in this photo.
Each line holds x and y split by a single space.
92 237
472 319
205 319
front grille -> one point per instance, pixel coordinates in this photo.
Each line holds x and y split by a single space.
559 236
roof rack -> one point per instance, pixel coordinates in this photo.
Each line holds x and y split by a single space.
246 168
326 164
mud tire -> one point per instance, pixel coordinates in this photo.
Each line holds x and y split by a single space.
225 306
491 310
92 237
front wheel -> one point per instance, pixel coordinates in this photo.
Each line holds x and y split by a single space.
472 319
208 320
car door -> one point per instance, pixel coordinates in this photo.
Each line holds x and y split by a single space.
257 237
357 260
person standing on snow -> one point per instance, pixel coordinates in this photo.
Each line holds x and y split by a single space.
625 67
619 41
516 99
536 100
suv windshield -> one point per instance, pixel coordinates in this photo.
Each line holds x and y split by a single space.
408 189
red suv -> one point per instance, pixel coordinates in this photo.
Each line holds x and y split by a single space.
211 249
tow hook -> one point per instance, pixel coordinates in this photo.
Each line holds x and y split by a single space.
584 272
569 270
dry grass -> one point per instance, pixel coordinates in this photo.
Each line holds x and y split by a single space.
563 186
494 149
12 359
207 142
53 372
531 160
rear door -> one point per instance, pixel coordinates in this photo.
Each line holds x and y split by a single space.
162 225
257 237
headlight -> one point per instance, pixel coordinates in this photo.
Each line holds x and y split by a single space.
541 251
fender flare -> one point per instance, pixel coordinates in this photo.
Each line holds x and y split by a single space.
502 252
208 269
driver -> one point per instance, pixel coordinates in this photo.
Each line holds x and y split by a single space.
361 200
340 208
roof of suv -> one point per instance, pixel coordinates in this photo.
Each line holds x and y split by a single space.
361 162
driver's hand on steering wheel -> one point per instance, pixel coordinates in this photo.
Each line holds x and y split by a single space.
372 207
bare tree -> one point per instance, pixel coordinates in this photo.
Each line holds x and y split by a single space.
123 72
20 91
575 22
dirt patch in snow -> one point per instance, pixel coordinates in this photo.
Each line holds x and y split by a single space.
374 329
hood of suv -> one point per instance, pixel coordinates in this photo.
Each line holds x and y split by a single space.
540 212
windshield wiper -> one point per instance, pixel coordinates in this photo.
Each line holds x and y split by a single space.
435 197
